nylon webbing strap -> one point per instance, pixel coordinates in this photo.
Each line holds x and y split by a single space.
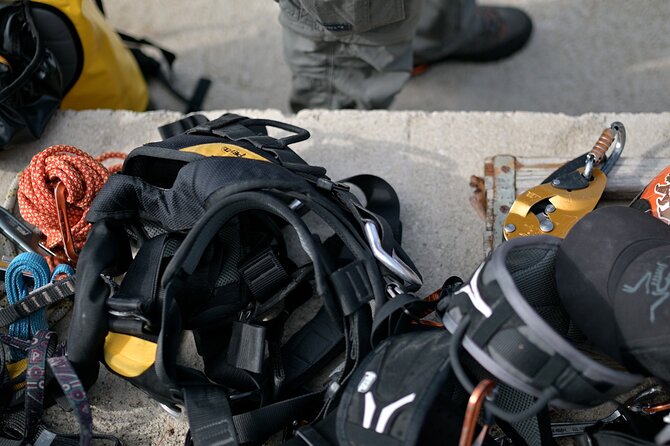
310 347
489 326
43 345
76 396
178 127
258 425
209 416
387 311
38 299
381 199
352 285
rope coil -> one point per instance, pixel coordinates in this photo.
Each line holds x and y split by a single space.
17 290
82 176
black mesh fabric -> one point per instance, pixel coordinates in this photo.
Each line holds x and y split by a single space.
529 431
513 400
532 269
179 207
230 238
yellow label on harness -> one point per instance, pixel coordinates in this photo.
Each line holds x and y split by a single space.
227 150
127 355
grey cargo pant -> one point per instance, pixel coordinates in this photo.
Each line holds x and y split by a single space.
360 53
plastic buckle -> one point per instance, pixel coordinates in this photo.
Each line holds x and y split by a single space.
330 185
64 223
390 261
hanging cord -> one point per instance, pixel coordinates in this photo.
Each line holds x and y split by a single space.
17 290
82 177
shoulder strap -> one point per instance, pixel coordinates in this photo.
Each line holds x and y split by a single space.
151 68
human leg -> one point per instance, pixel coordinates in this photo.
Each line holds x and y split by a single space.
347 69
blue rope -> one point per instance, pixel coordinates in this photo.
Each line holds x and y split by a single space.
62 268
17 290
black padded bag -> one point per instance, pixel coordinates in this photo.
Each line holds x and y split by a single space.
613 277
34 75
511 320
223 222
404 393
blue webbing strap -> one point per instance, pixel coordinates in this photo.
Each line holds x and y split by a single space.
17 290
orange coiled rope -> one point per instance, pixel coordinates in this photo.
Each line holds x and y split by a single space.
82 175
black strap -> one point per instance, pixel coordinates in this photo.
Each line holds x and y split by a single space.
211 421
169 56
240 128
613 438
490 326
151 69
178 127
310 348
352 286
259 424
209 416
76 396
44 345
386 312
381 199
38 299
136 297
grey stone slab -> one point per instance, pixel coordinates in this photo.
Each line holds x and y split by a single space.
427 156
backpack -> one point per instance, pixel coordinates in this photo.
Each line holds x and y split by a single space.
63 53
271 265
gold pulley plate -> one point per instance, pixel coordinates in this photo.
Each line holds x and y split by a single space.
555 206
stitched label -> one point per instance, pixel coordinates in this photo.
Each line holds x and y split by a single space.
655 284
225 150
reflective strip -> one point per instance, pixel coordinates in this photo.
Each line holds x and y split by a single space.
472 290
370 407
388 411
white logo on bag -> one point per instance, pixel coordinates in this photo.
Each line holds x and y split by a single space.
370 406
656 284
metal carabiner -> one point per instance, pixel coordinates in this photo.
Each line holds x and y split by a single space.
616 134
620 132
64 223
390 261
475 404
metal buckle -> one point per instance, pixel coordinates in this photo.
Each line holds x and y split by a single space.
176 411
131 315
390 261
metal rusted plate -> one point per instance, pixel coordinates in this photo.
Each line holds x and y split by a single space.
500 194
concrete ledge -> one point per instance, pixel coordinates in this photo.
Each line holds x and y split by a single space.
427 157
